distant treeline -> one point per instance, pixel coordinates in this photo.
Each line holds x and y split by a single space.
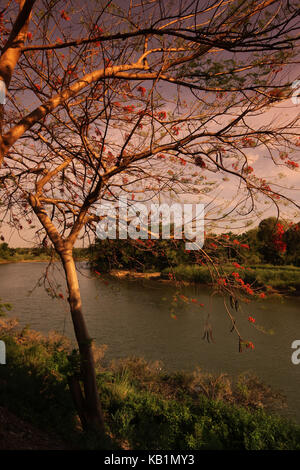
272 242
35 253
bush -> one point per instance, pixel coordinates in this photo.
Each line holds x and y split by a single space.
279 277
145 407
149 422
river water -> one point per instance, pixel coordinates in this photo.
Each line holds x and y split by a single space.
133 319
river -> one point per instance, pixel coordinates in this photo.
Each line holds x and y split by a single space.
133 319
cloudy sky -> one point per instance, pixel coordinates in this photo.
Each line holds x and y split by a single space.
288 180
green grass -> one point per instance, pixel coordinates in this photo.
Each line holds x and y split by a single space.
279 277
25 257
15 255
145 407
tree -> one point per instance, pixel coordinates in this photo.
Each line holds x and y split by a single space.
292 240
270 234
143 99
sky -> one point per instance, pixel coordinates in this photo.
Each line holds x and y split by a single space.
262 165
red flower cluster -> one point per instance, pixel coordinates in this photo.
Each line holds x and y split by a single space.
248 142
292 164
238 266
251 319
142 90
279 244
97 29
246 287
129 108
248 169
162 115
64 15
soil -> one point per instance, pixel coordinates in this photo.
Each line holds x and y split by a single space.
16 434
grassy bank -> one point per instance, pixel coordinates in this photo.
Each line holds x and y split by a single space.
145 407
18 255
21 260
285 278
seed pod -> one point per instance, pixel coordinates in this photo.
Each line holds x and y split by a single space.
199 162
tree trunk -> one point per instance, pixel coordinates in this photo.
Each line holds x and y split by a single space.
90 408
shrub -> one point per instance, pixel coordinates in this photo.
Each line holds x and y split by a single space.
145 407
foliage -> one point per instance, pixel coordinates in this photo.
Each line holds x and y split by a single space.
261 264
149 422
286 278
6 307
146 407
39 253
141 256
32 383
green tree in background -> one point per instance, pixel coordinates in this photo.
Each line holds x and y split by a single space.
267 234
292 239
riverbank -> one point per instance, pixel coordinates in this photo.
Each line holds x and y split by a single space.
5 261
144 406
36 260
35 254
126 274
284 279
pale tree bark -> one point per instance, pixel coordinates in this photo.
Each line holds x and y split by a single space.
87 405
90 408
10 55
